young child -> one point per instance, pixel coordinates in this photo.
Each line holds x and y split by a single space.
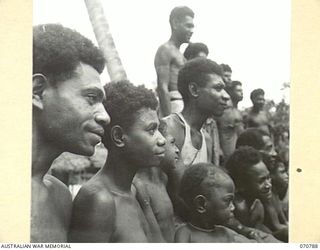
208 192
151 186
254 198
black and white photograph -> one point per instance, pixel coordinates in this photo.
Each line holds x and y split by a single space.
160 121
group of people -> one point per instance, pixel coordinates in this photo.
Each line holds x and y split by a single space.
187 168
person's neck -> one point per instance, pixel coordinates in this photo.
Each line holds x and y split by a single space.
200 223
43 153
256 109
235 104
280 191
120 172
193 117
175 41
151 174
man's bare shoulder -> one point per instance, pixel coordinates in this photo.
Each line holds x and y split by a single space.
93 214
96 193
176 128
167 52
182 234
173 122
58 191
167 48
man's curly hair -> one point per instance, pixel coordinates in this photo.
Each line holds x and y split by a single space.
123 101
226 67
196 71
255 93
252 137
58 50
240 162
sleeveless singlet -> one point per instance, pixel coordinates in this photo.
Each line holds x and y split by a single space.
189 154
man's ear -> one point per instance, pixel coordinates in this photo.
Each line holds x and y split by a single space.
39 84
193 89
117 136
200 203
175 23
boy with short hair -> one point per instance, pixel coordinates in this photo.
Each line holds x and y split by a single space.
208 192
105 209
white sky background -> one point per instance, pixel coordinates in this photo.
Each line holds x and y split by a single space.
252 36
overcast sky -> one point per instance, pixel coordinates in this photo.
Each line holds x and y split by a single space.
252 36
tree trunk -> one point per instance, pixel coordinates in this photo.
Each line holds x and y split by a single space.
103 35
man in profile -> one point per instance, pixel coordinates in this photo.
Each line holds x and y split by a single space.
68 116
230 124
202 88
168 60
227 74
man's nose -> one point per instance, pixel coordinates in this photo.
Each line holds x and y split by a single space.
102 116
161 141
225 95
268 183
232 207
273 152
176 150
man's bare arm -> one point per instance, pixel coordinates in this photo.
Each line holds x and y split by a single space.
162 63
93 218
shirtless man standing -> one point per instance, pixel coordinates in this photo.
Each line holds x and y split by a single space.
68 116
168 60
256 116
105 209
230 124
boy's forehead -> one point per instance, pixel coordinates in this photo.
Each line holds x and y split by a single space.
146 115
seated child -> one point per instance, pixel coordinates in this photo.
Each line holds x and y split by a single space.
208 192
254 200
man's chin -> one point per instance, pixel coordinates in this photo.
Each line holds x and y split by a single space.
85 151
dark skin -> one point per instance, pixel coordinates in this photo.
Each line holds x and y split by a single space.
205 101
152 184
209 210
255 205
257 117
112 212
55 110
230 124
168 60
